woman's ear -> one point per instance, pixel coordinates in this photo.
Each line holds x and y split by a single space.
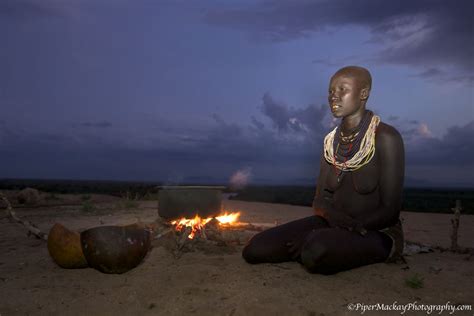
364 94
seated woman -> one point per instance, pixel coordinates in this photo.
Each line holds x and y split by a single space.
358 195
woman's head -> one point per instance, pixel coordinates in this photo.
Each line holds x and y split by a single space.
349 90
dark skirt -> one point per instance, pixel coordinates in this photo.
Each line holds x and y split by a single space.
395 233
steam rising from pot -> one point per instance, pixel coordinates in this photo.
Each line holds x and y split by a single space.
240 178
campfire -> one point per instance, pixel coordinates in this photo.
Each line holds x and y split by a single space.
197 224
192 218
222 233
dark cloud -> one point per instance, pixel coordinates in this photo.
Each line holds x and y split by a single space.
326 62
459 143
7 134
454 149
307 120
430 34
287 20
440 34
278 152
47 9
30 8
212 153
225 130
429 73
101 124
439 76
461 77
256 123
412 131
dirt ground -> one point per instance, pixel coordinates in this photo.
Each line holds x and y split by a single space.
221 283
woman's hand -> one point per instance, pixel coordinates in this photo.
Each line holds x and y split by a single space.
295 246
338 218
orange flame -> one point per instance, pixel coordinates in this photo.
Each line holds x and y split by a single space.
228 218
197 223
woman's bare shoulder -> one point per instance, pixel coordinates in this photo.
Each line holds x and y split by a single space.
388 135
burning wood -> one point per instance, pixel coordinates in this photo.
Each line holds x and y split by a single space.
197 223
221 233
186 233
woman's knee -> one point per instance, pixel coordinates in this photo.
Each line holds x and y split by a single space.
250 253
312 254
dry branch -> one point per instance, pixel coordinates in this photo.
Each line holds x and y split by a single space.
184 237
163 233
32 229
455 223
249 226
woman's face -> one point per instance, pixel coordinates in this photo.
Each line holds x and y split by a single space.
344 96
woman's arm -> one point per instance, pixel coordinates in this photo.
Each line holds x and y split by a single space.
391 159
319 203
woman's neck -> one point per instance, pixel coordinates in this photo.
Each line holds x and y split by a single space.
350 122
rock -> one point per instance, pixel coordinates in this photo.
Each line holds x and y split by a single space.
435 269
28 196
411 248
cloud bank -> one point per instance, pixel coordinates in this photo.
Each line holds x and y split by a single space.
433 36
282 145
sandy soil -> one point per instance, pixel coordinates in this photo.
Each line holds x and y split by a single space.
221 284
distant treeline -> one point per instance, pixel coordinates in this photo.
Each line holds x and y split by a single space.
115 188
414 199
294 195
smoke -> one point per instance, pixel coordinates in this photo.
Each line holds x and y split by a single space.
240 178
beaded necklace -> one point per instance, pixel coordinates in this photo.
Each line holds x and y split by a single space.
353 151
345 147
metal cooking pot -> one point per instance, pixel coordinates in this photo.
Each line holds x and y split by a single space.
187 201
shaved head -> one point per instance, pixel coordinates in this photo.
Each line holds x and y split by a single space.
361 75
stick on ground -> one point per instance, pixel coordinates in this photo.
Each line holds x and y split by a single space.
455 223
32 229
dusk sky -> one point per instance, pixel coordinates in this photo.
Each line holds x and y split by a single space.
195 91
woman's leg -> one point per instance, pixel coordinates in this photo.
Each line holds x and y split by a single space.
330 250
274 244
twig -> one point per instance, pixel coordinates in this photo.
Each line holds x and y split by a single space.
46 205
249 226
163 233
280 266
459 250
184 237
202 232
455 223
32 229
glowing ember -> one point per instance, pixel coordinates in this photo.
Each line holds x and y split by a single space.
197 223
